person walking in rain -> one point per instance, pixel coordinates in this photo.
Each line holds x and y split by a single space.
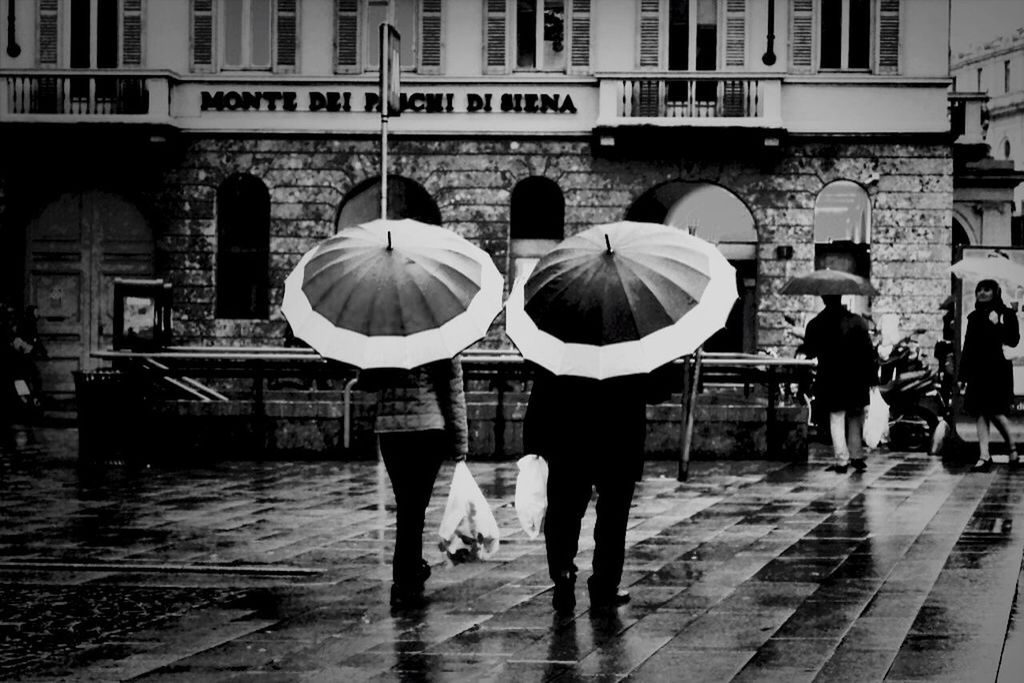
592 433
420 421
985 370
847 369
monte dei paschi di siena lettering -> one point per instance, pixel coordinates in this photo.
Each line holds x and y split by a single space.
417 102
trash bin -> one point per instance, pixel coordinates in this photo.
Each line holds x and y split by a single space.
111 417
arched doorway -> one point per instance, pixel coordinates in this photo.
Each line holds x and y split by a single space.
715 214
406 199
76 247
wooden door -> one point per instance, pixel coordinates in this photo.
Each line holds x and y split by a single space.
76 247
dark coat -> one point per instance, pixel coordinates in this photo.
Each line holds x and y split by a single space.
983 365
847 361
593 423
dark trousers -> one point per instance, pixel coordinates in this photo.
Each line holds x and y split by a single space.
412 460
570 486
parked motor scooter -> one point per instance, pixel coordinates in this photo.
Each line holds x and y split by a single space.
918 409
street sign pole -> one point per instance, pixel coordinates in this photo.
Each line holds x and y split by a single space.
390 72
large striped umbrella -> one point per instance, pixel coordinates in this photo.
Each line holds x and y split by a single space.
619 299
392 294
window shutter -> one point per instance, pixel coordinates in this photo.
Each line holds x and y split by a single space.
801 36
430 37
736 33
889 37
131 30
287 27
650 34
202 35
495 37
49 36
346 37
579 55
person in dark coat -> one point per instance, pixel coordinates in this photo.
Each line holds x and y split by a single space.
985 370
591 433
847 369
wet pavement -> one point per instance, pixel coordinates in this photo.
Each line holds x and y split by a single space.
279 571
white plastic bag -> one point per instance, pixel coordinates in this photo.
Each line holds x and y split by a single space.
876 421
468 529
532 493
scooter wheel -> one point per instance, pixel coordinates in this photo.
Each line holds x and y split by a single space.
912 430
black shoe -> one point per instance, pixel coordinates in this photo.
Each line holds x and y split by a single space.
983 465
859 465
608 599
407 597
563 599
838 469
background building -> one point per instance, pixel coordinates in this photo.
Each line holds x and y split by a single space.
212 142
996 69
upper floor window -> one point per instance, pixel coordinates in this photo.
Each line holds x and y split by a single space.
247 34
243 248
692 35
90 34
845 36
979 88
1006 76
357 34
244 34
1006 149
536 35
540 35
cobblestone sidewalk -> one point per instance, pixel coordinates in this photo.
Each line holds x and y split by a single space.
278 571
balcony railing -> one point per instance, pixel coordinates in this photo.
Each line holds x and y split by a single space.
734 99
92 94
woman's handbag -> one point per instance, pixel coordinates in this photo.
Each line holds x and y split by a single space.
468 529
532 493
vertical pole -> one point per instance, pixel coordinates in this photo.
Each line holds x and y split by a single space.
691 401
383 159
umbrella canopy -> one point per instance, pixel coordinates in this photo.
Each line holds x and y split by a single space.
825 282
620 299
392 294
993 267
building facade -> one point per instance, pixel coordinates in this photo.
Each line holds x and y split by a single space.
212 142
996 69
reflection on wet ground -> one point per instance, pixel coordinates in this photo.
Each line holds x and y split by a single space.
278 571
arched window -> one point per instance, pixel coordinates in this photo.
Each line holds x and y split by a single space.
1006 149
842 228
537 222
715 214
842 232
406 199
243 248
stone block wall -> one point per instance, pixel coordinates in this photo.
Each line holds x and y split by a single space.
910 187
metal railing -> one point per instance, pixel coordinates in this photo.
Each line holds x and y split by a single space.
691 96
82 95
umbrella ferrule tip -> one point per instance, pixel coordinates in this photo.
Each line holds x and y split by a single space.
608 244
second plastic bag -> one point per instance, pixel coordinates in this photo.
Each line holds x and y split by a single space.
532 493
468 529
876 420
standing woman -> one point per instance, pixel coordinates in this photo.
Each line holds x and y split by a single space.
420 421
986 371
